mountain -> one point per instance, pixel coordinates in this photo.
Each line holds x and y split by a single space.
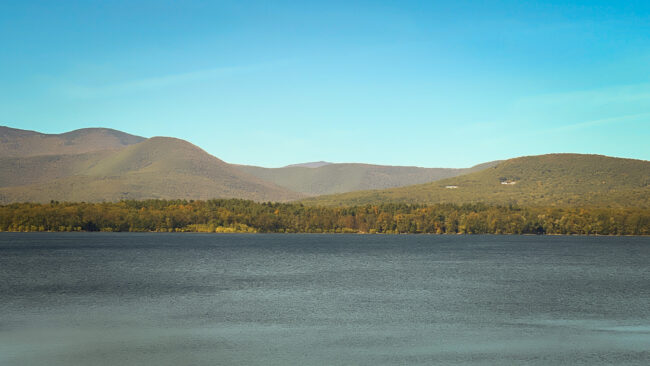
544 180
158 167
99 164
24 143
314 164
28 170
339 178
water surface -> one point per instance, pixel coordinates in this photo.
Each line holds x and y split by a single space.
196 299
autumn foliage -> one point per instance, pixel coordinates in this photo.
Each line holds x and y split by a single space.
247 216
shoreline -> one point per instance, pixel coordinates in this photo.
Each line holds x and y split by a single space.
315 233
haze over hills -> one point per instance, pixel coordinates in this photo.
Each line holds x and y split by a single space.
328 178
23 143
544 180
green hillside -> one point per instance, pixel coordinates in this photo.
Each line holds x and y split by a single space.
545 180
23 143
155 168
340 178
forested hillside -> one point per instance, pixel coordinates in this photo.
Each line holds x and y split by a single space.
158 167
99 164
560 180
23 143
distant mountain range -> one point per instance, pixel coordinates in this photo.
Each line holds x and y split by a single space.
98 164
313 164
312 179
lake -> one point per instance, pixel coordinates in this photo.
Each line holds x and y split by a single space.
221 299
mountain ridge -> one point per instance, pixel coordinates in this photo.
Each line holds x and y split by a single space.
100 164
25 143
561 179
313 164
347 177
156 168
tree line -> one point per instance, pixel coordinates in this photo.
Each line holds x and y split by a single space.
233 215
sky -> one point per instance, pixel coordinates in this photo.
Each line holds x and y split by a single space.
271 83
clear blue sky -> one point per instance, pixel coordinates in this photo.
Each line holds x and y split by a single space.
428 83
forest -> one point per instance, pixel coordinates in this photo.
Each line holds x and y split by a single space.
243 216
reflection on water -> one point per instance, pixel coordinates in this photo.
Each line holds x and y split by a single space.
165 299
